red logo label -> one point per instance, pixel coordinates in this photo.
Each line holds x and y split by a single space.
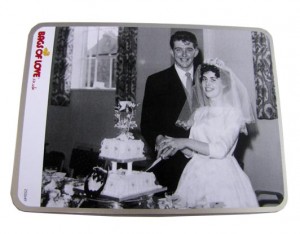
40 52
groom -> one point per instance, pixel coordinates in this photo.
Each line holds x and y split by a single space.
166 93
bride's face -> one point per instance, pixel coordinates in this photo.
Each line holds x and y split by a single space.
212 85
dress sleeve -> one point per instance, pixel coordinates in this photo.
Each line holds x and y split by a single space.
225 140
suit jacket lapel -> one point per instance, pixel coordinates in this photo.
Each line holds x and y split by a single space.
176 83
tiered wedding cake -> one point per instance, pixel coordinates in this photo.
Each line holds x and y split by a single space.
126 183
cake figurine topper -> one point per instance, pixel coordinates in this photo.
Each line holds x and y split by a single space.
125 113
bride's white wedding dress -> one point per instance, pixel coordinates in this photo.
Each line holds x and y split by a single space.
216 180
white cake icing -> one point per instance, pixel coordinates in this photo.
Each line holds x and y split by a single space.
121 183
126 183
122 149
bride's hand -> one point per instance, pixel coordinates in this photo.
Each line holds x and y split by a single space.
169 146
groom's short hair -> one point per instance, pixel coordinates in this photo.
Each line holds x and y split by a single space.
184 36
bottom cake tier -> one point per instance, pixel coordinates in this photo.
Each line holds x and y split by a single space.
123 185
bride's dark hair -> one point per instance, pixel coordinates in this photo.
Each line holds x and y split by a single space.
208 67
218 73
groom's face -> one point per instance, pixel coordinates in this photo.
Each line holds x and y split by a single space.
184 54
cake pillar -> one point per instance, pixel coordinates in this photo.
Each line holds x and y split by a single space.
129 167
114 166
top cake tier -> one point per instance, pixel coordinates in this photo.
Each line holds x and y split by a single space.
122 150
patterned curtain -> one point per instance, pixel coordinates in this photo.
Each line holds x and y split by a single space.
125 71
62 67
264 78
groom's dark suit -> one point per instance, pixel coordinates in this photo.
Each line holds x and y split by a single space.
164 99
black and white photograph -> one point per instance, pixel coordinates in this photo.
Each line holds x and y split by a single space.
73 84
167 118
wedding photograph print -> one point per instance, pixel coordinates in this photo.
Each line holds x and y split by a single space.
142 119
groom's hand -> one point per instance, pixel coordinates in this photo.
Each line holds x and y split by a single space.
165 151
162 152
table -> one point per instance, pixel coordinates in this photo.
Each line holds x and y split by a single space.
60 191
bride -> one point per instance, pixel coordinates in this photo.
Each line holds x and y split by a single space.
213 178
